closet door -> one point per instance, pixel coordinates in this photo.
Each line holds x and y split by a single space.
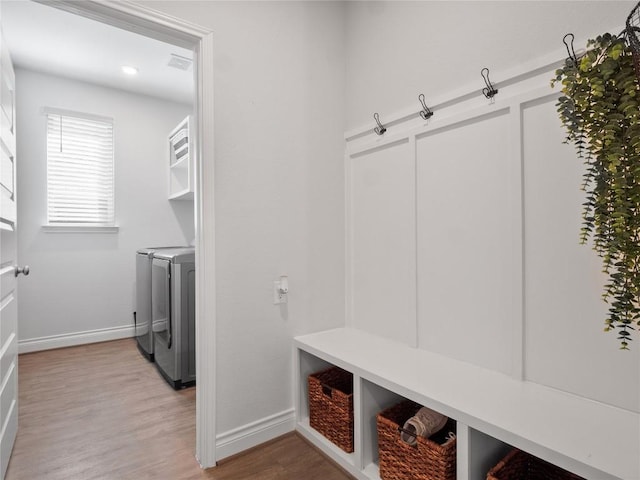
8 264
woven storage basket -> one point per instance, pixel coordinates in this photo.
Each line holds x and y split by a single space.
427 460
331 406
519 465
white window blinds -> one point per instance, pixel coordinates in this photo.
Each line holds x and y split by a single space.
80 186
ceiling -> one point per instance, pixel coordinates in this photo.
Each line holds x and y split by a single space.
49 40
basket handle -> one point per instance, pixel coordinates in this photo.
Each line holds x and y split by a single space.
327 390
411 434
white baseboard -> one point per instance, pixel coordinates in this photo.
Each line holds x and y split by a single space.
240 439
77 338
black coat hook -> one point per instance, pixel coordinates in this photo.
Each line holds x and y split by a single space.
380 129
489 91
425 113
570 51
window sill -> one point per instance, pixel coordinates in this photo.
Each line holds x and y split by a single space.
79 229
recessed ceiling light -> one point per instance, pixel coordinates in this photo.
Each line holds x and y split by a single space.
129 70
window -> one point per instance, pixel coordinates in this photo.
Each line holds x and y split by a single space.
80 185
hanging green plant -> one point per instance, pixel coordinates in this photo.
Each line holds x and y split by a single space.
600 110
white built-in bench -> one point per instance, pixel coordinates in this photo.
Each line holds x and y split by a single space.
494 411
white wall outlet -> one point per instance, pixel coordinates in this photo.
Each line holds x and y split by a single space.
279 296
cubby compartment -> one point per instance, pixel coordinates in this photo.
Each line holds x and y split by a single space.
493 412
482 454
179 179
416 442
521 465
478 453
331 405
308 364
374 399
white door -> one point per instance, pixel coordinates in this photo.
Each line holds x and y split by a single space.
8 268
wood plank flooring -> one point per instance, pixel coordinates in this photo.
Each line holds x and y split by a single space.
102 411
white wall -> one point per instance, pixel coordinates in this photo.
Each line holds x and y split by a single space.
396 50
81 282
280 114
279 97
502 281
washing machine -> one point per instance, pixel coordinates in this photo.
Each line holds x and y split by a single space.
142 315
173 314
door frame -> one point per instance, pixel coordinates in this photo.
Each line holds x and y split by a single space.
154 24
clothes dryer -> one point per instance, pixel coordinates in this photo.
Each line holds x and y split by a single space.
173 294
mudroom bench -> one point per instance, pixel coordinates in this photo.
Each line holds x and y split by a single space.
494 412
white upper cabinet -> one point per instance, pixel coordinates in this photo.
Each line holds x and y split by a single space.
181 162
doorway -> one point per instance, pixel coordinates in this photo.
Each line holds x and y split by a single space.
181 34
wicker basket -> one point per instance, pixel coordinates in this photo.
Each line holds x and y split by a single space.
331 406
429 459
519 465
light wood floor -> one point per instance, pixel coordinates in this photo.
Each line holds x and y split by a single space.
102 411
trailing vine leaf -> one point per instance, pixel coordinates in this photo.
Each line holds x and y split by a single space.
600 110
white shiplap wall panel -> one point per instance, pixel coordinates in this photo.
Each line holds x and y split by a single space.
565 347
501 280
382 231
465 270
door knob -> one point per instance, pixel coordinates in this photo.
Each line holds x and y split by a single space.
24 270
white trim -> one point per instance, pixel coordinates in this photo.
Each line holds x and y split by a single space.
6 345
8 269
206 362
379 143
79 229
255 433
135 18
404 135
77 338
348 247
413 148
154 24
516 187
358 427
7 377
463 452
466 93
10 297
